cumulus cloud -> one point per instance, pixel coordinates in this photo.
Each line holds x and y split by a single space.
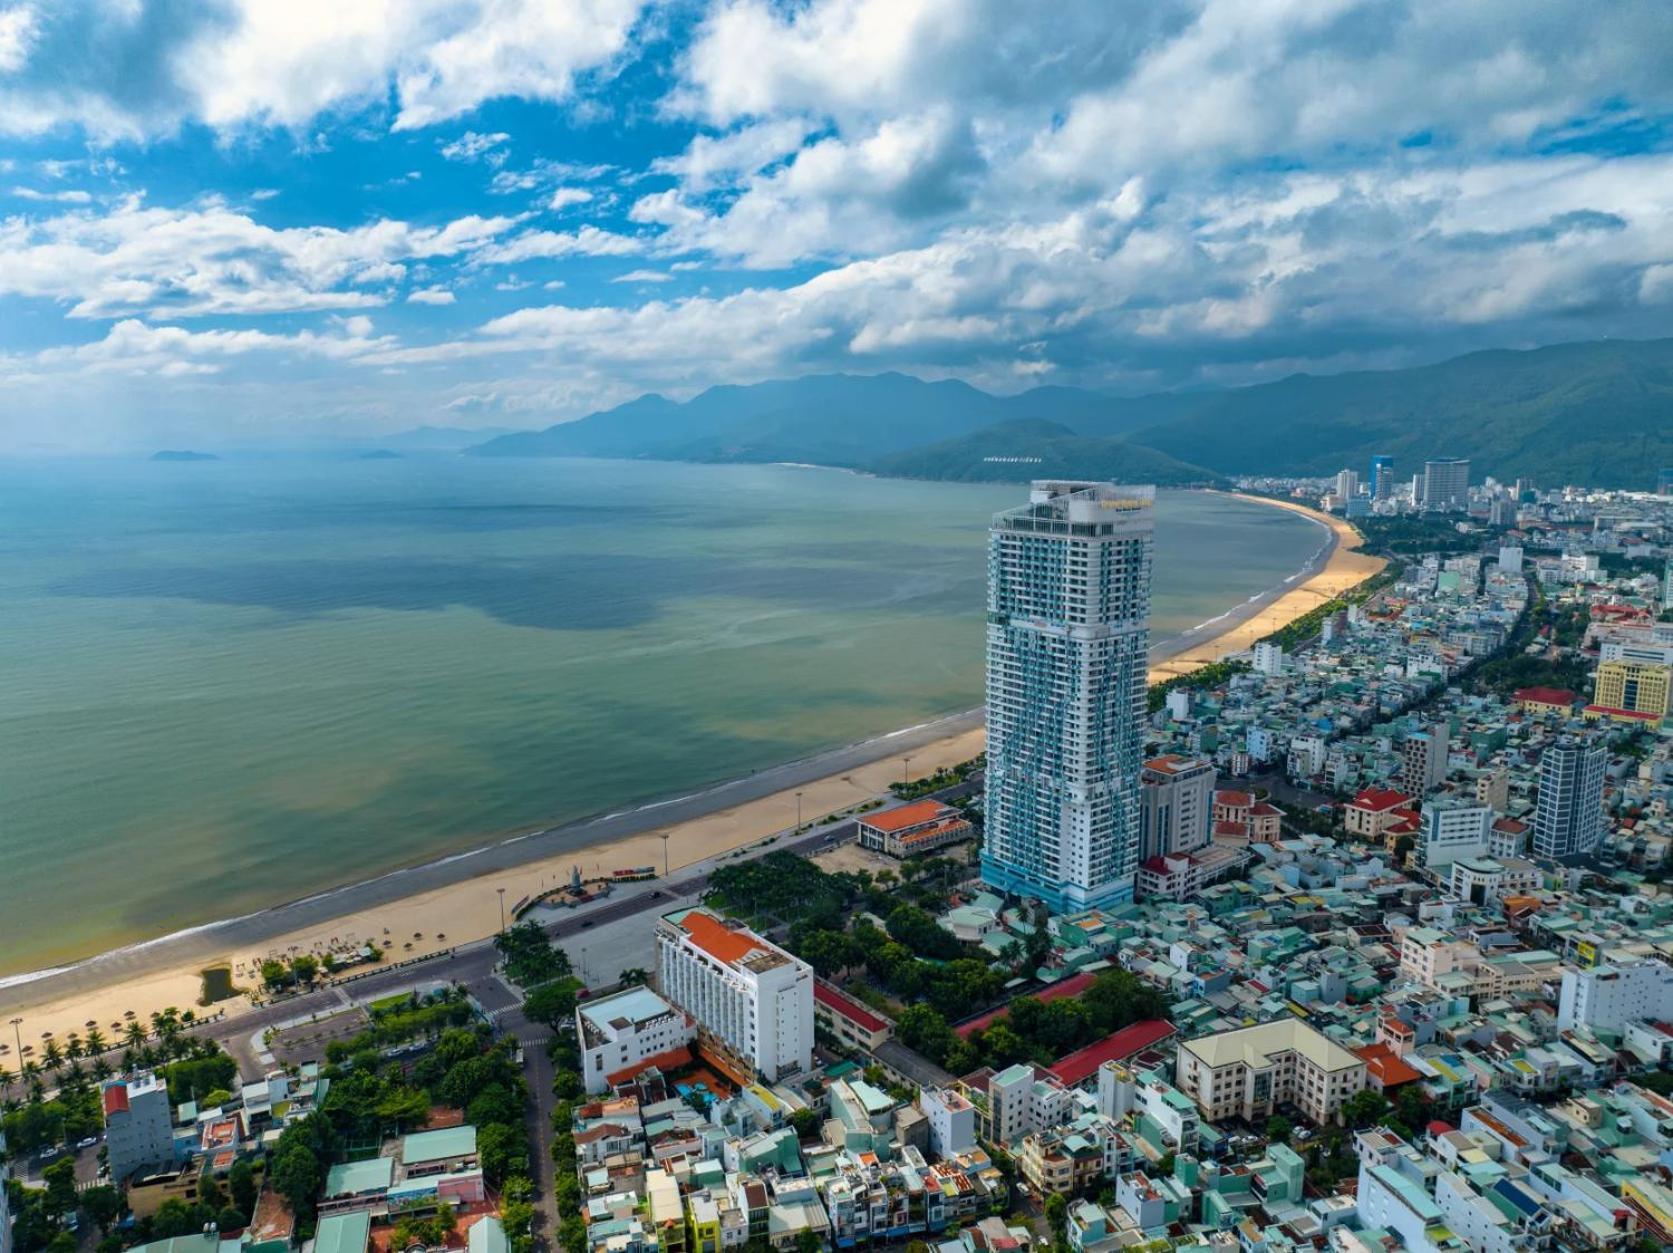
214 259
136 70
134 346
430 296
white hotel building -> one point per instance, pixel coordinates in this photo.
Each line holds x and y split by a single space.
753 1001
1067 648
623 1033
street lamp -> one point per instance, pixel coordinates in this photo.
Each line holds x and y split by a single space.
905 765
665 854
502 910
17 1028
798 813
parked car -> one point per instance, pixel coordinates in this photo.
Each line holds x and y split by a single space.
88 1143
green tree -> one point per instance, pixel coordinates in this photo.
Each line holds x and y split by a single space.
241 1184
806 1123
553 1003
1278 1129
572 1234
61 1186
1365 1108
1057 1220
103 1204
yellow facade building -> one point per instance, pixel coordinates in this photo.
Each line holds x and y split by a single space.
1639 687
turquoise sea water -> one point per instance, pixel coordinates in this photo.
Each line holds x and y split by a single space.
226 684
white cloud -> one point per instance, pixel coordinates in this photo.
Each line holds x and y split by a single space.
589 241
62 197
721 160
133 346
642 276
215 259
564 197
473 145
17 29
128 70
430 296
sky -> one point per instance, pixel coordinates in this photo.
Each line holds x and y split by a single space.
230 221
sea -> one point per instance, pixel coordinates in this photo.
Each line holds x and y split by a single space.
225 684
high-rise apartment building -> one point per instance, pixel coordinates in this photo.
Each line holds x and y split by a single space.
1568 819
1424 758
1446 484
139 1126
1176 805
753 1001
1452 827
1347 485
1607 998
1638 687
1382 478
1068 638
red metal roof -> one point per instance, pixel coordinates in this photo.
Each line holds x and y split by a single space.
912 815
1079 1066
116 1099
1545 695
1379 799
838 1003
1074 985
717 939
1234 800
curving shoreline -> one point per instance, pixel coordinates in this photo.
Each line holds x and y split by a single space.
458 895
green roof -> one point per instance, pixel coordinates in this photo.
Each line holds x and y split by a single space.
344 1233
355 1178
437 1146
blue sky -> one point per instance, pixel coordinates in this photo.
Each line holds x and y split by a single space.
245 220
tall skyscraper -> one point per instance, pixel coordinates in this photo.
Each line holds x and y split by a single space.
1347 485
1568 820
1068 638
1446 484
1382 477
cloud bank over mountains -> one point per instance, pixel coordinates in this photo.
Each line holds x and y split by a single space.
525 210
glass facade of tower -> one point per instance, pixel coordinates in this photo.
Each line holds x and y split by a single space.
1067 646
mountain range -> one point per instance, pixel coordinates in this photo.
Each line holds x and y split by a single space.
1587 413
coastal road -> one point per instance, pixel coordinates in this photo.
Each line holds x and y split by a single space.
214 941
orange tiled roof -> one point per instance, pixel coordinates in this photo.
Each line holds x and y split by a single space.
908 815
716 939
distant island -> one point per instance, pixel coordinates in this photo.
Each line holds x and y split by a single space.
380 454
183 454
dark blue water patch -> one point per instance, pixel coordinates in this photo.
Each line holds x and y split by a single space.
570 592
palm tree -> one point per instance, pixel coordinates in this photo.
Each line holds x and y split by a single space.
51 1056
134 1033
95 1042
101 1068
72 1046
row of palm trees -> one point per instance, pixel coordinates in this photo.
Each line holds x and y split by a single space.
165 1041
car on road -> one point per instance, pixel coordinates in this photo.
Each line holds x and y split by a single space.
586 924
52 1151
88 1143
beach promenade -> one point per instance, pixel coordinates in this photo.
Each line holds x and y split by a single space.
456 901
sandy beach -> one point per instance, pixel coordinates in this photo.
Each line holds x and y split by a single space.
1345 567
460 902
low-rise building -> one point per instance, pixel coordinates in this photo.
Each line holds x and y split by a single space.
622 1034
914 829
1250 1071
